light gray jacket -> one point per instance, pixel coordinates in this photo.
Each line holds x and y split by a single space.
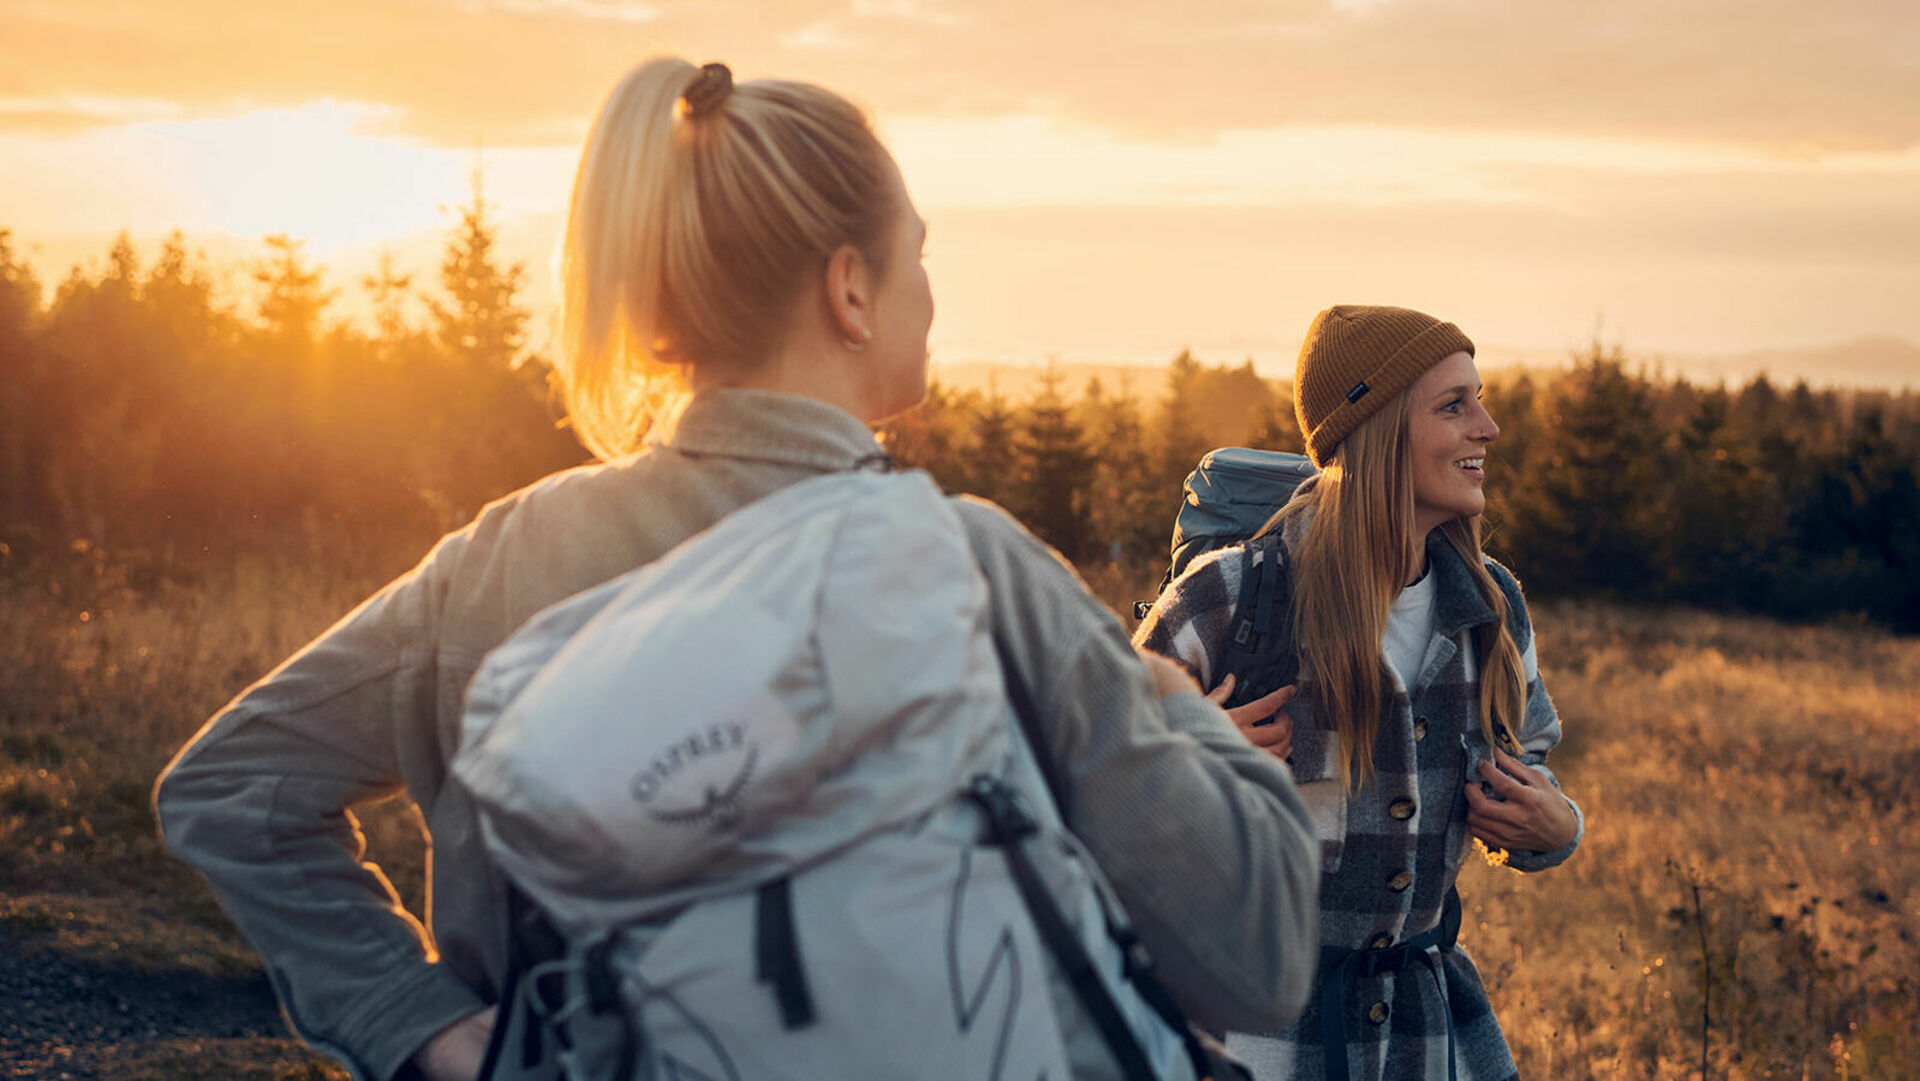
1204 837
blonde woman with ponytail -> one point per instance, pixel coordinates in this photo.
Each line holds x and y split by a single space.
744 295
1419 724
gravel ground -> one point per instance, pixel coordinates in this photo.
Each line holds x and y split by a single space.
70 1017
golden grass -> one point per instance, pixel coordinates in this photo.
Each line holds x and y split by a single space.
1752 837
1748 893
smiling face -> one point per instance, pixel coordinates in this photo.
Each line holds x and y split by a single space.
1447 434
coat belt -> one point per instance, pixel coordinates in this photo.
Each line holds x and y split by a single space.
1339 968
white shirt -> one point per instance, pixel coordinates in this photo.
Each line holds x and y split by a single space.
1409 629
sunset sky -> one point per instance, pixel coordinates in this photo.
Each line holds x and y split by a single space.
1103 181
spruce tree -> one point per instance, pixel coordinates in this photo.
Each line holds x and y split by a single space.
479 323
295 296
992 464
391 294
1131 517
1720 514
1180 437
1056 469
1583 510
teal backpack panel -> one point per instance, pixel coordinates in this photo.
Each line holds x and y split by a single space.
1227 498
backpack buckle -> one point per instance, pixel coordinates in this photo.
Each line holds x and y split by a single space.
1007 821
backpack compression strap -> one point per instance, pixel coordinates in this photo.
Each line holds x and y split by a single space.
776 950
1009 827
1059 937
530 939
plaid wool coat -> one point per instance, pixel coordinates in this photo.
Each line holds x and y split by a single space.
1390 852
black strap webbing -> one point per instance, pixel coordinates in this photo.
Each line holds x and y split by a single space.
1260 653
497 1039
1243 628
603 997
1269 579
1139 967
525 1001
1009 827
776 951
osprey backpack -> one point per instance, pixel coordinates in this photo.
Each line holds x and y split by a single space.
772 793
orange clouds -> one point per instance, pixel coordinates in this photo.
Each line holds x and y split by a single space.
1782 74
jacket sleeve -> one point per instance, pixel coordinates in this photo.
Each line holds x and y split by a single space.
258 802
1203 836
1191 615
1540 728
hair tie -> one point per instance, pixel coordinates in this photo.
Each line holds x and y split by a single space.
709 90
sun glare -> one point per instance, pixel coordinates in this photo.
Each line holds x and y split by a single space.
314 172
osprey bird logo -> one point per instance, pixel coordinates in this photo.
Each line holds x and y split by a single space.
719 808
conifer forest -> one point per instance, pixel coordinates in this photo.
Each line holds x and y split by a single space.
149 422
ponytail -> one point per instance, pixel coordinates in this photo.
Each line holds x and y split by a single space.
699 212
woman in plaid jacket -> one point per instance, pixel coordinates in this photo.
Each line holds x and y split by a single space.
1423 721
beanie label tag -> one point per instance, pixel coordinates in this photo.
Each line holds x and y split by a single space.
1358 392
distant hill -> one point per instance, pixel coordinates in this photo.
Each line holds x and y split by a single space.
1885 362
1874 363
1018 382
1869 363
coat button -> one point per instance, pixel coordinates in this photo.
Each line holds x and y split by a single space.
1377 1013
1419 729
1400 881
1401 809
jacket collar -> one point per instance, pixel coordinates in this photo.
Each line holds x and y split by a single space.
768 426
1457 603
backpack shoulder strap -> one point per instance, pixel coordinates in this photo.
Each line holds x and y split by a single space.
1009 827
1259 651
531 940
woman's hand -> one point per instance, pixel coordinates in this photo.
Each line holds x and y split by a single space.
1260 720
1530 816
460 1049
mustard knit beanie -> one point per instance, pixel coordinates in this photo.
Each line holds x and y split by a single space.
1355 359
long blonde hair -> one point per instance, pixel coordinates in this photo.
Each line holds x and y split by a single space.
692 232
1359 550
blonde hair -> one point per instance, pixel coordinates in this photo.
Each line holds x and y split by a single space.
692 232
1359 550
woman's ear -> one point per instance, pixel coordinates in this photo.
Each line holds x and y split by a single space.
850 293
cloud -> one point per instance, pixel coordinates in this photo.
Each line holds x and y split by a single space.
1781 75
69 114
1696 264
1017 161
589 10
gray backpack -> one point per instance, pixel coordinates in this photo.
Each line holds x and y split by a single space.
770 793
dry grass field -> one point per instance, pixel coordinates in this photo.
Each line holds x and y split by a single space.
1746 904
